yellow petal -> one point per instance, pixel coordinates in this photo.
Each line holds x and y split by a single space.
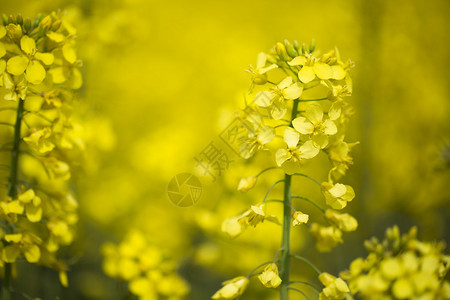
323 70
286 82
34 213
266 135
10 253
338 190
303 126
28 45
2 31
56 37
33 103
293 92
15 207
57 75
330 127
76 81
27 196
314 113
2 67
291 137
281 156
263 98
46 58
13 238
63 279
306 74
16 65
261 60
308 150
35 72
32 254
338 72
299 60
69 53
2 50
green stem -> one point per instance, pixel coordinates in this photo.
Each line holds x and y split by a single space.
307 262
310 100
257 267
304 175
310 201
285 242
270 189
265 170
12 188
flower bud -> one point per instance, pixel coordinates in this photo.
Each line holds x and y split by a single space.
312 46
290 49
281 51
27 24
14 32
5 19
46 22
56 25
11 19
19 19
37 20
247 183
304 48
296 45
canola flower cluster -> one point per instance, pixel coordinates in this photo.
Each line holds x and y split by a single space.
150 273
300 95
400 267
39 76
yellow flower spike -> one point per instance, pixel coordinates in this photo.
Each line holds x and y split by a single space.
345 222
269 277
232 289
338 195
300 218
247 183
17 65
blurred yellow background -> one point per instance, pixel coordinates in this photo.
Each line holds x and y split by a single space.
162 79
